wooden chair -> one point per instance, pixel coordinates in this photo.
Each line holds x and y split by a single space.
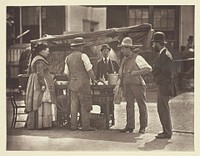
17 106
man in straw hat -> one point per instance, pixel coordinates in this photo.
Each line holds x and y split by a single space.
162 73
79 70
133 85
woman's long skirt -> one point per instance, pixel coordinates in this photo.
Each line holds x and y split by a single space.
41 118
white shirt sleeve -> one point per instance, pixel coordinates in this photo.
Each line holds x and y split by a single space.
66 70
86 61
141 62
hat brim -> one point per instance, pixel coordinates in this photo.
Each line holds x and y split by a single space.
159 41
76 44
131 46
105 48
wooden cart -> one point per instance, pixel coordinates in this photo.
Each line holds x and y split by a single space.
59 46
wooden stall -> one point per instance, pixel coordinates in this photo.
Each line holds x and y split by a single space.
60 48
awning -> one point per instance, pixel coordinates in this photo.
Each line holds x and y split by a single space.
60 44
139 34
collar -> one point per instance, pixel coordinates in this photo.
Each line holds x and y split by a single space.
107 58
162 50
130 56
39 57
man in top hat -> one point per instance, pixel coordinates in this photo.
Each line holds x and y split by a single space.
106 65
162 73
133 85
79 70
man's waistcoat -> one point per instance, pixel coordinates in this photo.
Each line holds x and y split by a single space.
129 65
79 78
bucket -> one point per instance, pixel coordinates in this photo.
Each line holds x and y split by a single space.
112 79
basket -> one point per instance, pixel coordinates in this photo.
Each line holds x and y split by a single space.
98 121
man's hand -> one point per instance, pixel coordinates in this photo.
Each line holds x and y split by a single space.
95 82
43 88
116 88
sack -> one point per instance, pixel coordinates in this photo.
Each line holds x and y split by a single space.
118 95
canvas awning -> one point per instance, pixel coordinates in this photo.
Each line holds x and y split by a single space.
139 34
60 44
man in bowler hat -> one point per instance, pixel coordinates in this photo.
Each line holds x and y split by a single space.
162 73
106 65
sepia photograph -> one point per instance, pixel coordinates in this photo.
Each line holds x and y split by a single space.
100 77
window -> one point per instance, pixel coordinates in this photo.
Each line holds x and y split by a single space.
30 21
138 16
164 18
30 15
52 20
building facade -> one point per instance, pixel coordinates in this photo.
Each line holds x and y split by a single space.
55 20
176 21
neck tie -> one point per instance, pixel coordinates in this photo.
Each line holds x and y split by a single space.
106 60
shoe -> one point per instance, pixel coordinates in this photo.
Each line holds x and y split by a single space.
163 136
130 130
88 129
161 133
142 130
74 129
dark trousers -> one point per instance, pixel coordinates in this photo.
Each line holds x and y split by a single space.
79 103
164 112
137 92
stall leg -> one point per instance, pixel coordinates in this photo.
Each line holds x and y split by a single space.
107 113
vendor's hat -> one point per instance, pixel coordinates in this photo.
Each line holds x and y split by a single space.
105 46
128 42
77 41
159 37
39 47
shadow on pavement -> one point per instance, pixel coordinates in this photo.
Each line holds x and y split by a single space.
103 135
156 144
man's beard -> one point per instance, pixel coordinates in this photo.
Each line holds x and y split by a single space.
126 55
156 49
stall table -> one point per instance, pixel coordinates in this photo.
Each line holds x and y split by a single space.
103 96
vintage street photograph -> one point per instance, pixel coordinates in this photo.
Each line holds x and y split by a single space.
100 77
